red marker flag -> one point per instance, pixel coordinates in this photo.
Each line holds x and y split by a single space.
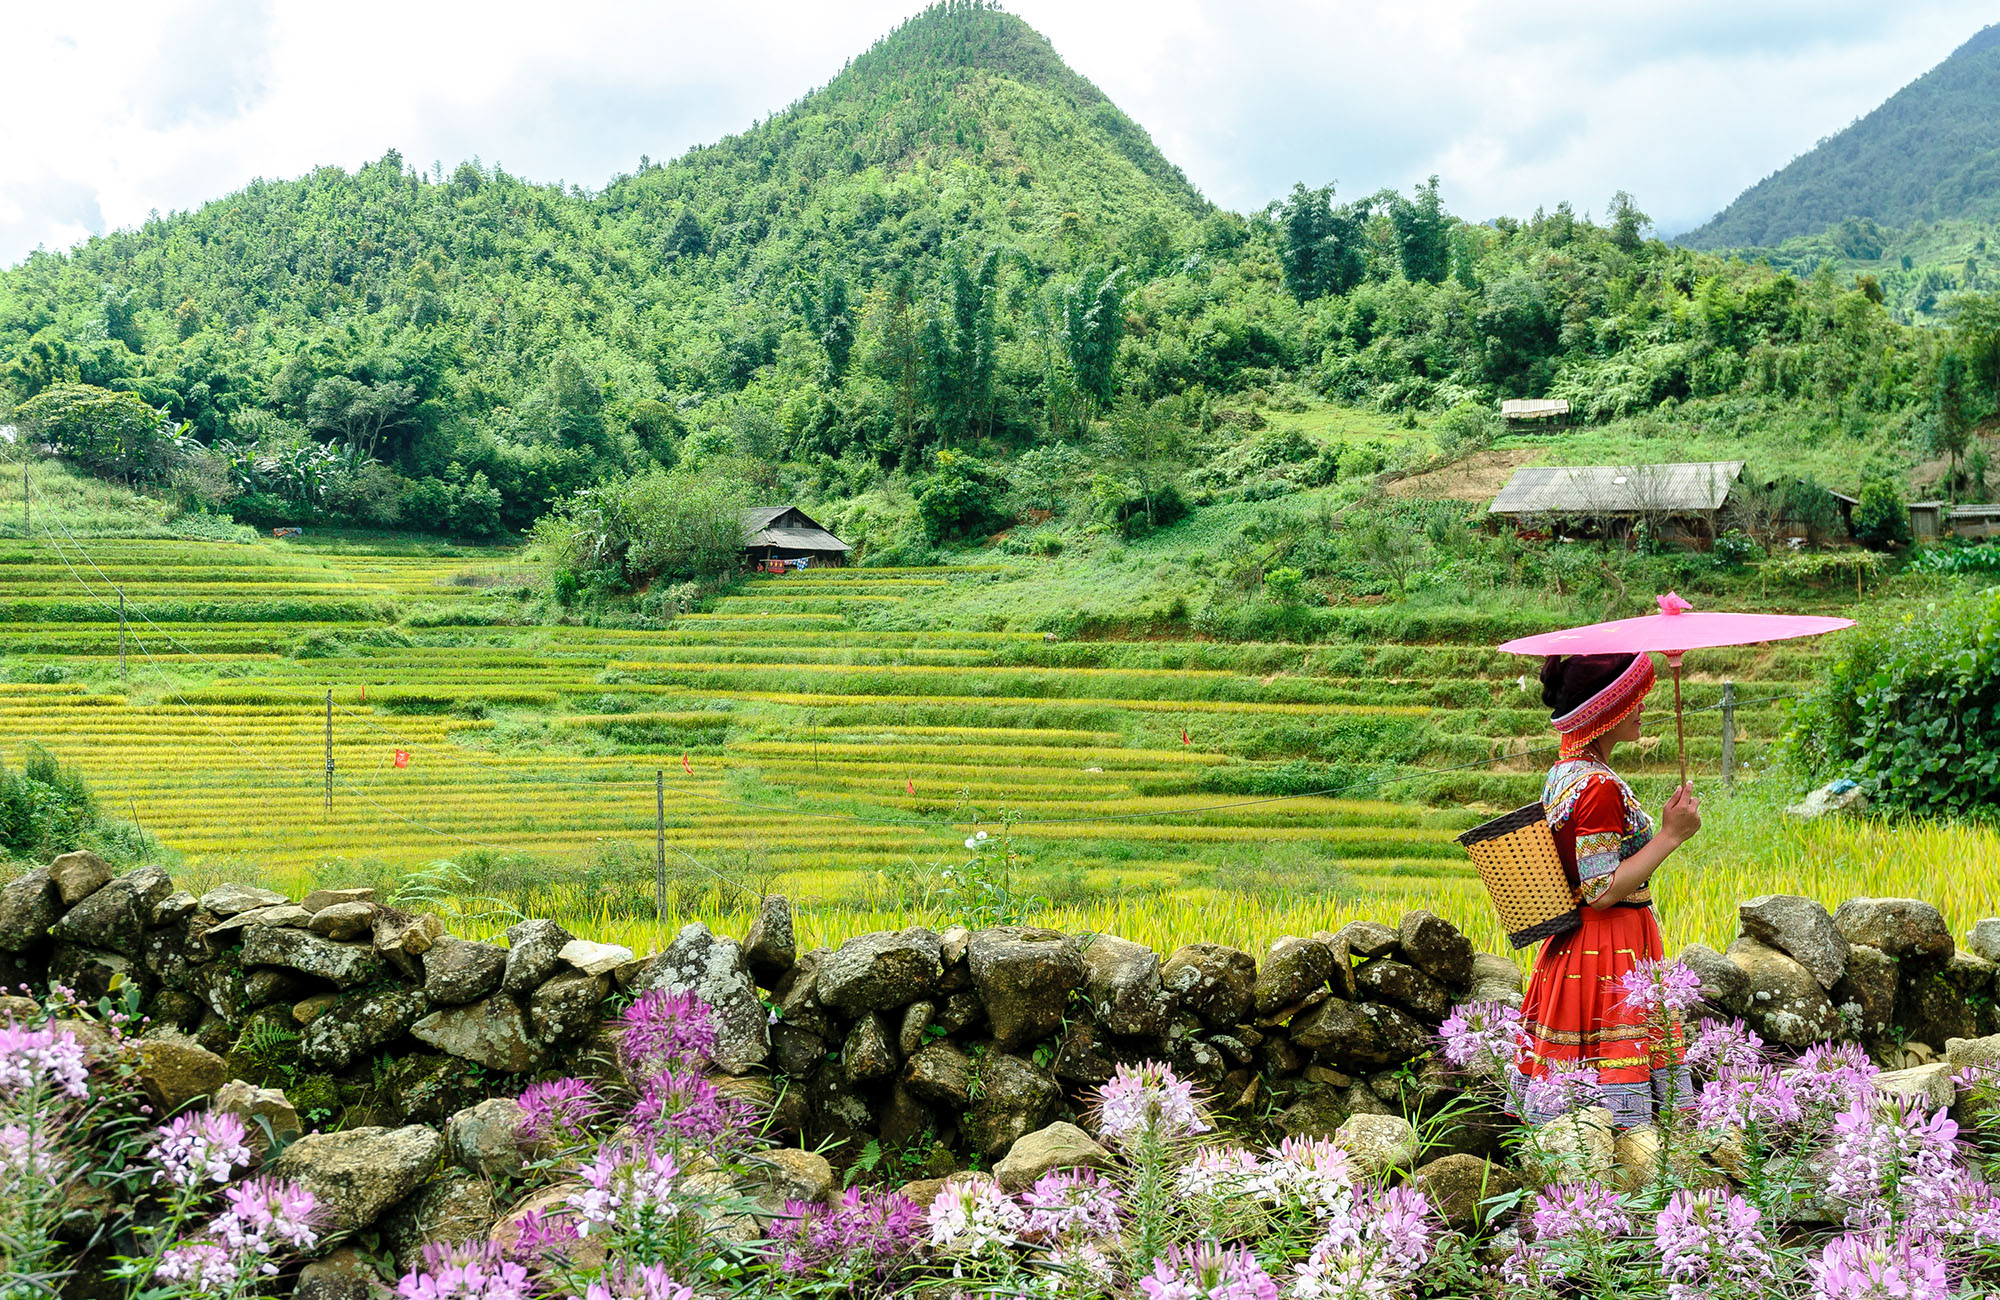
1184 735
402 758
909 785
687 766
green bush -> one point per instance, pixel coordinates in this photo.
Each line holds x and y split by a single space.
46 808
1881 520
1912 711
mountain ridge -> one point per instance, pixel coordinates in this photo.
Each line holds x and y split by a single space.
1926 153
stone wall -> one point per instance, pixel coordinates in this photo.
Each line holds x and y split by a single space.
938 1047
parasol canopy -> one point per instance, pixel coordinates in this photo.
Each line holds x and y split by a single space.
1676 629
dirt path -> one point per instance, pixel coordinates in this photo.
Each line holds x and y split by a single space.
1479 477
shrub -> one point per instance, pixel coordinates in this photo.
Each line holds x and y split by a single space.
1466 427
671 525
1912 711
1881 520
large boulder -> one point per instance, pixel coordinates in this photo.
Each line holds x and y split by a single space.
1024 977
358 1173
1867 986
344 1273
880 971
566 1006
402 938
1292 971
595 958
1983 940
1377 1145
870 1051
1928 1086
221 934
1930 1011
486 1138
458 971
454 1207
266 1112
790 1174
321 899
344 965
1214 981
92 973
1360 1035
78 875
1801 929
1014 1100
1787 1005
29 905
232 899
113 917
1724 986
1492 968
1434 946
1458 1185
1580 1144
1366 939
343 921
941 1074
175 1071
1122 980
712 968
771 947
492 1033
1387 980
1061 1145
1911 931
359 1024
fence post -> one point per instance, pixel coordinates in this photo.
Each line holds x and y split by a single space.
660 845
26 531
121 632
1728 733
329 751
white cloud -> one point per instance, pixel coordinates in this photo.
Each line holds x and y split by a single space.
149 106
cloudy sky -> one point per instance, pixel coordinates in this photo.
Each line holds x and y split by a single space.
118 109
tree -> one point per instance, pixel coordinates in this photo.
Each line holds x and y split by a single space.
1423 234
1881 520
1322 249
833 319
110 433
1092 321
1628 224
1951 411
359 413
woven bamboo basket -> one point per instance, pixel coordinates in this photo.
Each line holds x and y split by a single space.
1517 861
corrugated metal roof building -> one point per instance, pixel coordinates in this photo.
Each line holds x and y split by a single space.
1534 408
1607 494
786 534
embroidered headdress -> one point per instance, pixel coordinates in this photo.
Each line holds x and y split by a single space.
1606 709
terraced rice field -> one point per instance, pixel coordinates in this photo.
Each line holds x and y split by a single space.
830 735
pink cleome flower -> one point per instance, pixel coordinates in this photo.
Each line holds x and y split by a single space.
192 1148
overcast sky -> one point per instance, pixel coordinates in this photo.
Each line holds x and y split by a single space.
117 109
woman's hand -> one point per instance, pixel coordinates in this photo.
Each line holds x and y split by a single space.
1680 820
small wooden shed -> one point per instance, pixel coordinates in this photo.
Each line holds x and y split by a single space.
787 537
1535 408
1975 521
1926 520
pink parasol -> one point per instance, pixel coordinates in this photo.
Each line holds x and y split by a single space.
1673 631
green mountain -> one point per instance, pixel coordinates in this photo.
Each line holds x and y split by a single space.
1928 153
573 330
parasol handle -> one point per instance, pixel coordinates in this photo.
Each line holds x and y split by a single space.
1680 726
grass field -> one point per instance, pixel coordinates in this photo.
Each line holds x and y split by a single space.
843 733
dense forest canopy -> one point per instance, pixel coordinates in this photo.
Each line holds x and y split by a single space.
956 254
1928 153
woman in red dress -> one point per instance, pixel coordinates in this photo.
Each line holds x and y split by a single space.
1574 1013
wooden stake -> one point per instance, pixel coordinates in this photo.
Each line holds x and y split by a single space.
660 844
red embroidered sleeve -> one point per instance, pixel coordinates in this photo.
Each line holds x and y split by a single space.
1599 820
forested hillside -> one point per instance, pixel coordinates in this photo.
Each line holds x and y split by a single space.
956 277
1929 153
